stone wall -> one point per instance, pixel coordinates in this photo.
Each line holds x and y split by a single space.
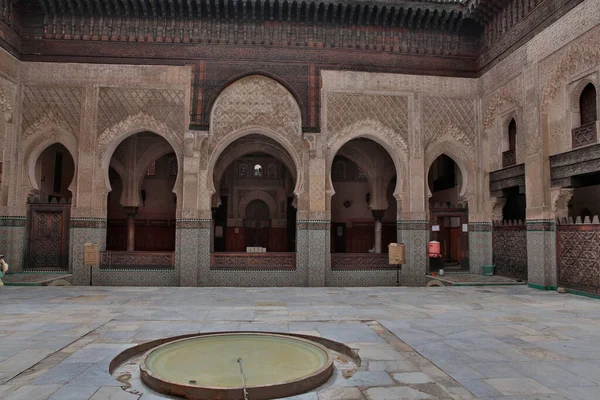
91 108
536 85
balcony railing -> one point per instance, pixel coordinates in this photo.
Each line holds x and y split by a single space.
253 261
509 158
584 135
137 260
360 261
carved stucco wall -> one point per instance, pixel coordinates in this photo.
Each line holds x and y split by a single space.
409 116
386 113
560 74
532 82
254 105
90 109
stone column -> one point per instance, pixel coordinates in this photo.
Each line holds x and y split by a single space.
480 245
194 220
414 234
318 219
378 215
131 212
412 221
89 203
540 224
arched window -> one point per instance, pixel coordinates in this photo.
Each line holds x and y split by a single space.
587 105
512 135
258 171
243 170
272 171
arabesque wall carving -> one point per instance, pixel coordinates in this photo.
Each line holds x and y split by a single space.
455 117
116 105
385 113
44 105
256 101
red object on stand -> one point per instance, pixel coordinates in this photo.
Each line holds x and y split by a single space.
433 249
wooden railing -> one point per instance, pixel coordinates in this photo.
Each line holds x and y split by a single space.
509 158
137 260
509 241
359 261
584 135
578 254
253 261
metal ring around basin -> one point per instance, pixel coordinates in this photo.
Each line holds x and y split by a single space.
205 367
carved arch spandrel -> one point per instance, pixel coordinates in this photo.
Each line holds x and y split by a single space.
255 104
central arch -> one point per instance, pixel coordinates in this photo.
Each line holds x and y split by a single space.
244 173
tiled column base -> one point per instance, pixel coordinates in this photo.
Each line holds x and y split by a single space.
414 235
541 254
319 257
192 251
84 230
480 246
12 241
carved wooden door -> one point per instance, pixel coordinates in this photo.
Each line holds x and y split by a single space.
48 237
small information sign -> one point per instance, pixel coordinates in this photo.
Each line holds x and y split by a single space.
91 255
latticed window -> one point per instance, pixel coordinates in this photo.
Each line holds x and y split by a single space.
587 105
271 171
151 169
173 167
339 171
361 175
258 171
243 170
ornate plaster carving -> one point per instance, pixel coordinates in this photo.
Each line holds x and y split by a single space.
368 125
497 208
566 63
255 105
58 105
450 117
351 112
560 198
6 106
138 122
256 101
118 104
504 98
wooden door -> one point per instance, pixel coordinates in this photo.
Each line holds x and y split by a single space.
454 243
338 237
48 237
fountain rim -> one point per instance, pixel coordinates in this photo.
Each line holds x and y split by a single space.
295 386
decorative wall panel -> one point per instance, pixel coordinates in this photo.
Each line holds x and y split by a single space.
345 110
164 105
578 257
45 105
510 251
452 116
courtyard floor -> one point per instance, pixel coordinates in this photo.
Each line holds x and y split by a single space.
415 343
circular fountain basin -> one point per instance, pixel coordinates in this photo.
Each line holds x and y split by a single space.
206 367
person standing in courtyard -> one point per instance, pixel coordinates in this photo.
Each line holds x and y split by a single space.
3 269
